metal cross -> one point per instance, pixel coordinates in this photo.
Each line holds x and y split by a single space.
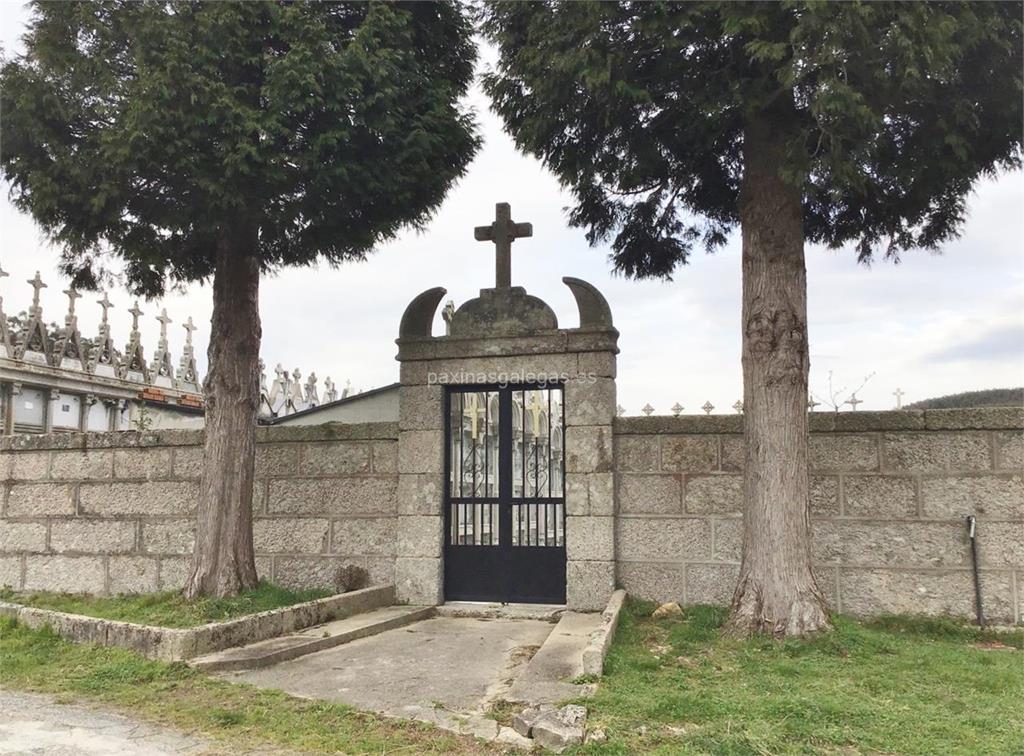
106 305
537 409
164 320
898 393
189 327
37 284
853 401
136 313
503 232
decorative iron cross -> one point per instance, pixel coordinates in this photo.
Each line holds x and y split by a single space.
503 232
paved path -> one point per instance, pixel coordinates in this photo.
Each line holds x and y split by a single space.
34 724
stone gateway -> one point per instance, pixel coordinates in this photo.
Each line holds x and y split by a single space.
509 477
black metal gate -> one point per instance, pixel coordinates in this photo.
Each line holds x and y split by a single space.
505 494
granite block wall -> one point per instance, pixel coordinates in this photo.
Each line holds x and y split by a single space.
115 512
889 495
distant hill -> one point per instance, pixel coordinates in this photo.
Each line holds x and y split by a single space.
1006 397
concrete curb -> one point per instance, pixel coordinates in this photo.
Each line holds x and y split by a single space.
601 639
177 644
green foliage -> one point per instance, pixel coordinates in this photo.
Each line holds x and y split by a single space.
1009 397
167 609
897 685
240 717
152 131
888 113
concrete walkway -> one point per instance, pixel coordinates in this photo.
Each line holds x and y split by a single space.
445 671
34 724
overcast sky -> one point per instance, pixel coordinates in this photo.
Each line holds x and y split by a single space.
935 324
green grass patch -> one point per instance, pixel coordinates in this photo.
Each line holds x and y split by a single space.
238 716
894 685
168 609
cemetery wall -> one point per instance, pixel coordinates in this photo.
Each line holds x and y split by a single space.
890 492
115 512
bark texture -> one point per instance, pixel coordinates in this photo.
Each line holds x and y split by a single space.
776 593
224 563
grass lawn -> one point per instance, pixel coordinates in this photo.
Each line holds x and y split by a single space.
895 685
238 717
167 609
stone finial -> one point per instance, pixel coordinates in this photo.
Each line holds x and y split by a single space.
312 400
330 392
853 401
134 367
707 407
37 286
503 231
6 344
447 313
296 400
263 377
738 406
162 370
188 371
898 393
811 404
647 409
620 410
105 357
677 409
347 391
34 344
67 350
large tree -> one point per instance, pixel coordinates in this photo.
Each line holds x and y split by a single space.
854 125
220 140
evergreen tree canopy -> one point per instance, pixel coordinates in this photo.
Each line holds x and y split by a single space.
890 112
150 130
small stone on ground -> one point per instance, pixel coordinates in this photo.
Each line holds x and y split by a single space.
561 729
670 609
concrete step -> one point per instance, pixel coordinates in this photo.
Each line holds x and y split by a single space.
311 640
549 676
493 610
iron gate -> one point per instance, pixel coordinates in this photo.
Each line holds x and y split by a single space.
505 494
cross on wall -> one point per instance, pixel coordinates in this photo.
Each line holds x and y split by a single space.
503 232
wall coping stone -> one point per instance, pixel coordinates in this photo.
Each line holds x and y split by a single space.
980 418
177 644
426 348
180 437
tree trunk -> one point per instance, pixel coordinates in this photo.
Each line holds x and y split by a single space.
776 593
223 563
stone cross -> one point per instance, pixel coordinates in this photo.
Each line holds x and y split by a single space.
677 409
106 305
503 232
536 408
647 409
738 406
37 284
72 295
189 327
620 410
707 407
853 401
136 313
164 320
898 393
811 404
